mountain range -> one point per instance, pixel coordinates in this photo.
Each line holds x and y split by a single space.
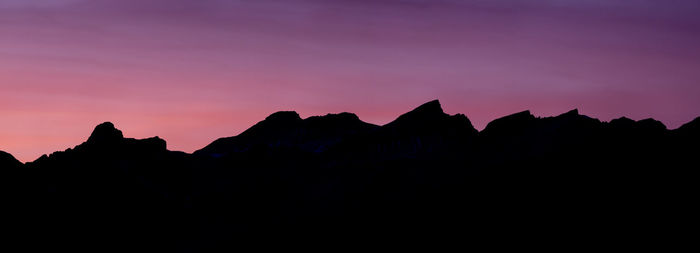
568 178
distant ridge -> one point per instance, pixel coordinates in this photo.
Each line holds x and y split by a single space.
287 129
426 173
318 133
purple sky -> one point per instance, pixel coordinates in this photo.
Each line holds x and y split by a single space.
193 71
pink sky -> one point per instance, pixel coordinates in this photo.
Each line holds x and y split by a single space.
193 71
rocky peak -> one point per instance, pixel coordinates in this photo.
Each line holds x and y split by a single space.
424 114
283 116
571 113
105 133
510 123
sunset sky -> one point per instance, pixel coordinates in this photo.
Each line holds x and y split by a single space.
192 71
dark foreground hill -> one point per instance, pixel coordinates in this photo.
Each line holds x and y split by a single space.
523 179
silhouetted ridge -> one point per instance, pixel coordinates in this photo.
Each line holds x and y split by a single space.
689 133
287 130
278 121
690 130
516 118
572 113
510 123
430 107
524 136
425 129
283 116
430 111
652 124
8 161
522 177
691 126
524 123
624 123
572 119
430 116
343 117
122 187
108 141
154 143
105 133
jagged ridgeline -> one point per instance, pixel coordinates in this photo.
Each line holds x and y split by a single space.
426 172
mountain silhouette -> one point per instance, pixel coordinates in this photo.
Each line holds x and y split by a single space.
105 133
425 131
429 120
427 173
690 130
288 130
8 161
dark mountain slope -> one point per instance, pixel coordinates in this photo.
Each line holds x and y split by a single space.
689 131
8 161
427 128
109 184
288 130
581 166
682 152
522 135
425 131
522 178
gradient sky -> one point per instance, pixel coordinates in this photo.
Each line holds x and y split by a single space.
193 71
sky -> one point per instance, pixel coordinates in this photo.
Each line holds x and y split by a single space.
193 71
